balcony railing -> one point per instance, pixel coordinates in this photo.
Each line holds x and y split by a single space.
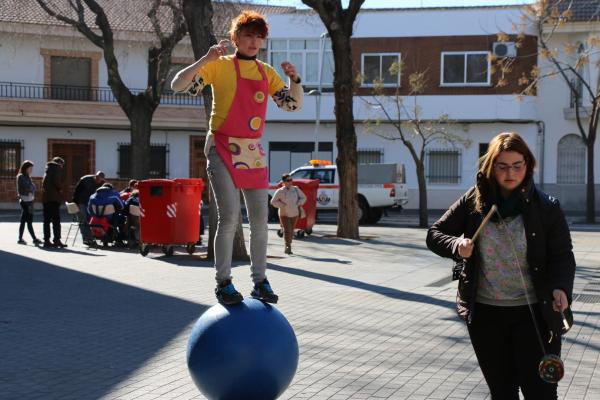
14 90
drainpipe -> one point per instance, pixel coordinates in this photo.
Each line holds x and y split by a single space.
541 145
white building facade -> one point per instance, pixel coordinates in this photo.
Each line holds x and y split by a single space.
38 120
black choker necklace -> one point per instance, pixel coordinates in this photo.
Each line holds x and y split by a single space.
243 57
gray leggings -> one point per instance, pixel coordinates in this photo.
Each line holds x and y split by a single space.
227 199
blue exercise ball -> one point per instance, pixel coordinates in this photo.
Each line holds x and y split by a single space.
245 351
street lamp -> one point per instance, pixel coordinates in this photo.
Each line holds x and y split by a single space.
318 92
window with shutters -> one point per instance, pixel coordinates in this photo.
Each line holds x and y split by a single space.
571 160
443 166
70 78
159 161
10 157
370 156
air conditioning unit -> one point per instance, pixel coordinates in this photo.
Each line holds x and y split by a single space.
505 49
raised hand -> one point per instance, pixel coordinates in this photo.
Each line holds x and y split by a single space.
218 50
289 70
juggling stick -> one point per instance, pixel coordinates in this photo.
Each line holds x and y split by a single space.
484 223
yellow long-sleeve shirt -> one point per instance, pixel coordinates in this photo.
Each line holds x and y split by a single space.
221 75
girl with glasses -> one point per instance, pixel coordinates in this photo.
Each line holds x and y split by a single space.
516 280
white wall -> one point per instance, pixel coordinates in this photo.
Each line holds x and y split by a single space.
439 196
36 146
463 107
406 22
21 61
553 99
438 22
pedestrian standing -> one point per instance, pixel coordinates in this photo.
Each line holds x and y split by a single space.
289 199
516 281
26 193
86 186
52 186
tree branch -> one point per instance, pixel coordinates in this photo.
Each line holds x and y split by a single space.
322 11
349 15
80 24
152 15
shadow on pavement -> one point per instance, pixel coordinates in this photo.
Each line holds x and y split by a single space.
321 259
70 335
70 250
386 291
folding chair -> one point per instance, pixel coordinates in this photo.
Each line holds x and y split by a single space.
73 209
134 222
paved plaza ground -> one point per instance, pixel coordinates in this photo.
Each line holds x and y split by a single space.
374 319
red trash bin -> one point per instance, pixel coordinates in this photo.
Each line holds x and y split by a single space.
309 187
169 213
157 209
189 196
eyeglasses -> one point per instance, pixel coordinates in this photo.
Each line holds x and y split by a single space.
516 167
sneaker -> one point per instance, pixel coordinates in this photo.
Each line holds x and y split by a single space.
21 241
58 243
263 291
37 241
227 294
48 244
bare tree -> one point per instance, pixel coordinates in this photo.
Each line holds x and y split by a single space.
139 107
199 16
405 116
566 62
339 22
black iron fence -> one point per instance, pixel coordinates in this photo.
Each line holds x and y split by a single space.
82 93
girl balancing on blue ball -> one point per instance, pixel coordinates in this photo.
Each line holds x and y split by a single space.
236 158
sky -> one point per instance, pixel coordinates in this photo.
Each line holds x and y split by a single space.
404 3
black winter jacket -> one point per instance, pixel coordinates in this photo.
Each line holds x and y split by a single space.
85 188
52 182
549 249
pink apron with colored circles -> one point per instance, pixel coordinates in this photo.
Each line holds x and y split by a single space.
238 139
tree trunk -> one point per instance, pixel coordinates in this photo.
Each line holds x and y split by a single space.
345 137
239 252
423 211
141 130
590 209
212 223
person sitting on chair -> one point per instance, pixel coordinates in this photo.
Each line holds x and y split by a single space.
125 193
106 203
105 195
132 225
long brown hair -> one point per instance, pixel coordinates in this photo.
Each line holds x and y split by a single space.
26 164
487 186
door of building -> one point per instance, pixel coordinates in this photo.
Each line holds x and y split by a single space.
79 161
